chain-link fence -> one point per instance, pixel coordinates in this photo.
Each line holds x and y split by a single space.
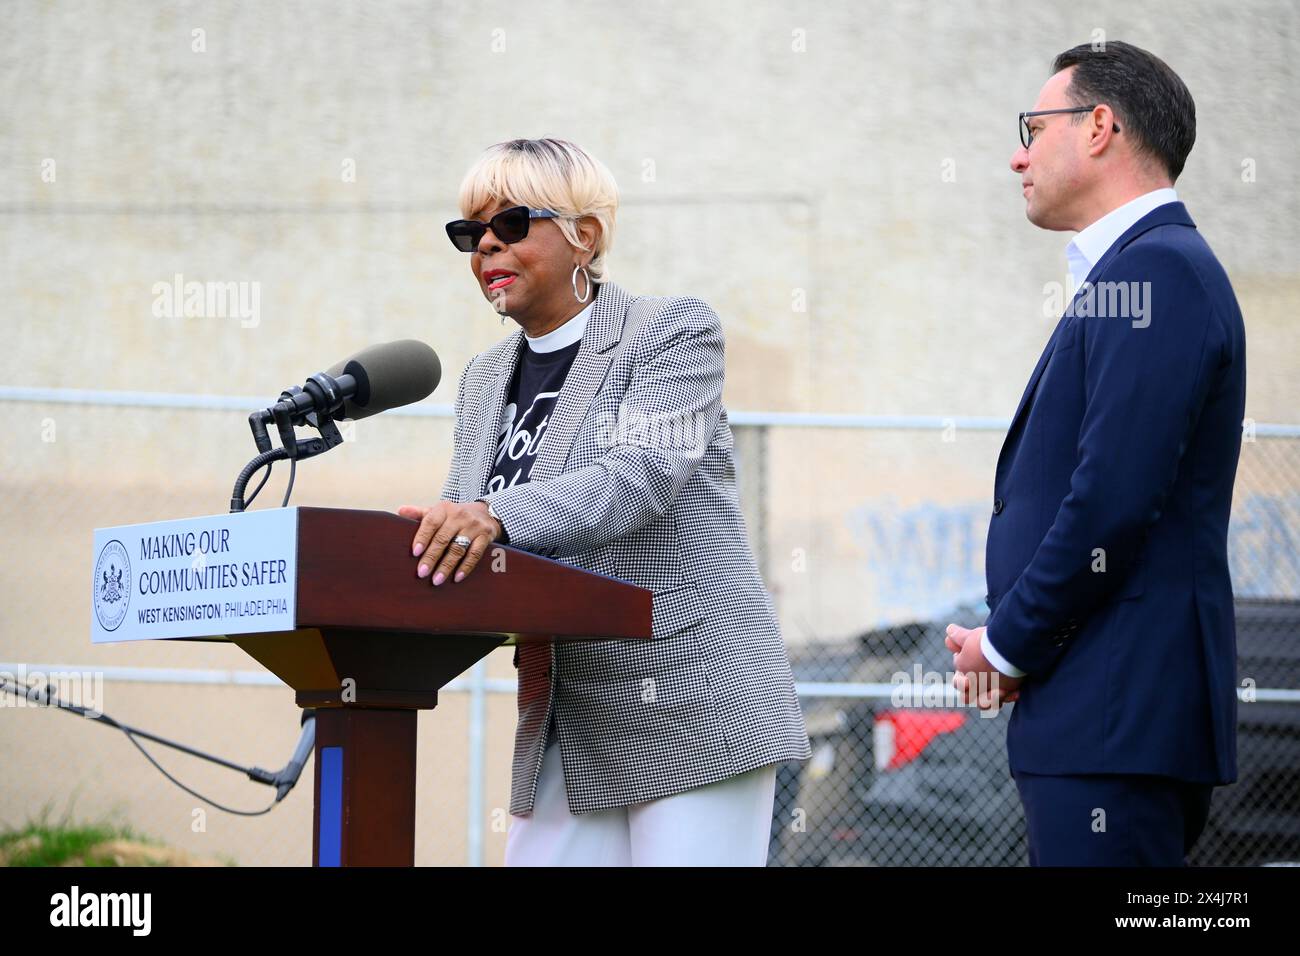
902 775
870 533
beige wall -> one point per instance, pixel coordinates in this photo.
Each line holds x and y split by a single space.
750 171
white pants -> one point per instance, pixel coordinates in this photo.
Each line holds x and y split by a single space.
728 823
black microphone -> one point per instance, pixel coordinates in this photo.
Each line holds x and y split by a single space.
386 376
371 381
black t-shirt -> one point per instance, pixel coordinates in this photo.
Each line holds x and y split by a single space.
529 403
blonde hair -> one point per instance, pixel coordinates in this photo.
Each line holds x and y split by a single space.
547 174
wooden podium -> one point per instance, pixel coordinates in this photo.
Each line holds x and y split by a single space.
371 644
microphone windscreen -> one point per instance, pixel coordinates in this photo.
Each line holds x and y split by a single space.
388 376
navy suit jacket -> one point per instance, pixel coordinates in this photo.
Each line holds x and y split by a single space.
1122 456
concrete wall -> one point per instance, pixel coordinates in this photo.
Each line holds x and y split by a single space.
850 155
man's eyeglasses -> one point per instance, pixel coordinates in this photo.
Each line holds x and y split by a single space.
1027 134
509 225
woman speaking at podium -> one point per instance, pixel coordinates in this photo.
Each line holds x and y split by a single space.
595 433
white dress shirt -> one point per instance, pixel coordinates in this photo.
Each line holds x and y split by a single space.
1082 253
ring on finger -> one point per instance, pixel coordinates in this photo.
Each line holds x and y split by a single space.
462 540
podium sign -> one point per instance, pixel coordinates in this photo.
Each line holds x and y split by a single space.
328 600
196 577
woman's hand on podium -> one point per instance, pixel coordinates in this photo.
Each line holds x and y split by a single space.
435 543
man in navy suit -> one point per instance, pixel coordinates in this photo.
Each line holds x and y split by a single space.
1111 614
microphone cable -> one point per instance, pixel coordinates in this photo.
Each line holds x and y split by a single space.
283 779
289 489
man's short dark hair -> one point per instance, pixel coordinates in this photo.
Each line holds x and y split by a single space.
1151 103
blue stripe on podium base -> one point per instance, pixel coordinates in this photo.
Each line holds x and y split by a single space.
331 807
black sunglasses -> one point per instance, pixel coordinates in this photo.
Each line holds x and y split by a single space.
509 225
1027 134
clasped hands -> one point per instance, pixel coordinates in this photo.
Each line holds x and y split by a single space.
976 680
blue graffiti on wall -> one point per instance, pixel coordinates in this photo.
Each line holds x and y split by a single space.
924 559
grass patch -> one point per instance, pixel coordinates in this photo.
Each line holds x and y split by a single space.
44 843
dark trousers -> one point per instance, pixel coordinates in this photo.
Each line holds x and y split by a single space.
1111 819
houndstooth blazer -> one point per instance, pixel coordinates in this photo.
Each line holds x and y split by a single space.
635 479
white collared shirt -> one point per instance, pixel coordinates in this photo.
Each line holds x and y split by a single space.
1082 253
568 333
1086 249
